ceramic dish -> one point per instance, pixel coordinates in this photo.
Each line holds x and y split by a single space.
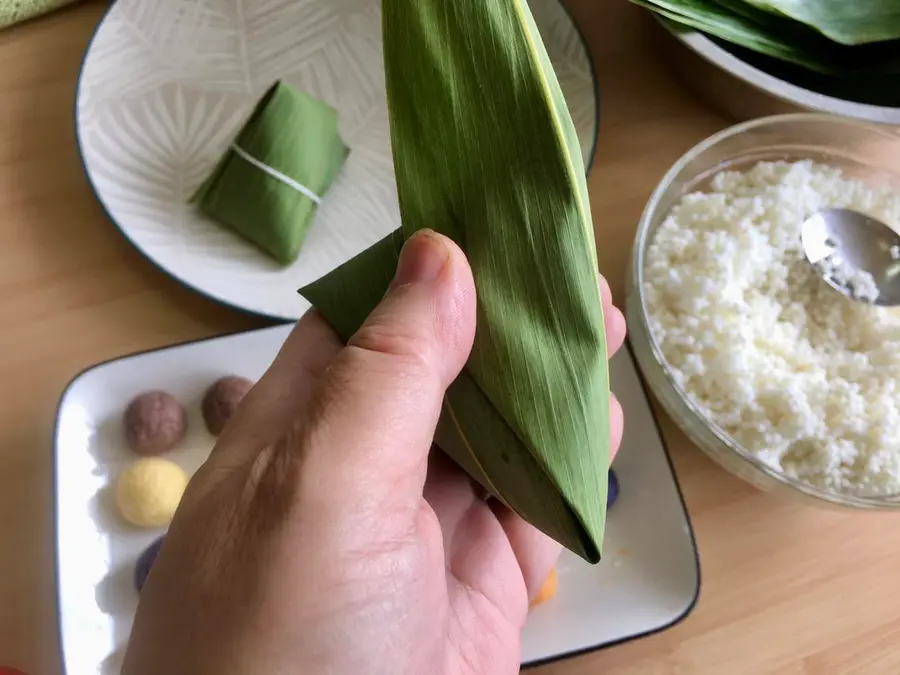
166 84
647 581
744 91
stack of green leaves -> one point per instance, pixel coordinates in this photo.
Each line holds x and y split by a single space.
528 418
841 45
268 185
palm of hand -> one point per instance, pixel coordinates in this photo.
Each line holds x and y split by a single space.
451 595
447 595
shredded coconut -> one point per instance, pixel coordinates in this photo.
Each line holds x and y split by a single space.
802 377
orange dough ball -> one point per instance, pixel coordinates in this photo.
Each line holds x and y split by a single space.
548 590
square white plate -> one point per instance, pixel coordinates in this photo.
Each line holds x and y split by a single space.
648 580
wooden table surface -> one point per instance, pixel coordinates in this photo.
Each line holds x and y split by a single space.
787 589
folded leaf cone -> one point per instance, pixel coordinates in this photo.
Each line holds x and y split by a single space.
486 153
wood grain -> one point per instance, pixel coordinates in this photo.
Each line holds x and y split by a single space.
787 589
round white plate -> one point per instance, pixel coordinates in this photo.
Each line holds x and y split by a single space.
167 84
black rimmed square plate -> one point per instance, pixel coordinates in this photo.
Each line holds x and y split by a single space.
647 581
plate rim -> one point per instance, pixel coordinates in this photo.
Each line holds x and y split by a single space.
562 656
698 576
221 299
771 85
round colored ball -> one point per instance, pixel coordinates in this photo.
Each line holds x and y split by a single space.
155 422
145 563
148 492
548 590
221 400
612 492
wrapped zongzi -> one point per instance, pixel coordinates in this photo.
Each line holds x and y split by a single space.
287 155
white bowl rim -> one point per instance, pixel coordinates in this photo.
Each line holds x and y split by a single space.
781 89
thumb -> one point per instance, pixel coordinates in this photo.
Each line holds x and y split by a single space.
372 419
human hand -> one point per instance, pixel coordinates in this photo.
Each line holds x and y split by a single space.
323 537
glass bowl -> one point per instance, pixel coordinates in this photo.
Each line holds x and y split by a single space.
862 150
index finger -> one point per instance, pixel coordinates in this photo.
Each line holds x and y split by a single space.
282 392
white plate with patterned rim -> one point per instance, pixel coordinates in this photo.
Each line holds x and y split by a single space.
167 84
648 579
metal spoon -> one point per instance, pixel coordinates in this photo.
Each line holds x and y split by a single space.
838 241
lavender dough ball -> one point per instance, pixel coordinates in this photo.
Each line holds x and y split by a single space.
612 493
155 422
145 563
221 400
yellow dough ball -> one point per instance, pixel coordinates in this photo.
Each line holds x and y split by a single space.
148 491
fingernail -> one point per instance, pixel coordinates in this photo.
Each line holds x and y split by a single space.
422 259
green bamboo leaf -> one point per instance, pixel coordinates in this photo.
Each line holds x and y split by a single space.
742 8
848 22
744 26
881 87
739 29
486 153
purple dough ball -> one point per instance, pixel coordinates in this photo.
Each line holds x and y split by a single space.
155 422
612 493
145 563
221 400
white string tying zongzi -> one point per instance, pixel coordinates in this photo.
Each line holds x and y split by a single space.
276 174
